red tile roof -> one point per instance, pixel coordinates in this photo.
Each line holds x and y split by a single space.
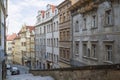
30 28
53 8
11 37
43 13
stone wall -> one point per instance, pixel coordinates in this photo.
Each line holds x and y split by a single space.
99 72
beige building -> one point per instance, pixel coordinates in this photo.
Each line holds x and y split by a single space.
64 32
24 47
17 57
9 47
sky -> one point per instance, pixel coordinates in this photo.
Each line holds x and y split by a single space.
22 12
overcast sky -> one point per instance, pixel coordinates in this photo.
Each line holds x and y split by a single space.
22 12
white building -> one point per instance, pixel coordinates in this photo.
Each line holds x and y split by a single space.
47 37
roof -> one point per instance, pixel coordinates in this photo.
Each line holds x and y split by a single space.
11 37
31 28
53 8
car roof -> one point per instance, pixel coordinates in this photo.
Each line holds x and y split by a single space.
14 68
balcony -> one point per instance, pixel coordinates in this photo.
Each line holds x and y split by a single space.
84 6
88 8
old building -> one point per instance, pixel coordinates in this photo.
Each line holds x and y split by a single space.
24 47
47 37
95 32
3 16
64 33
10 47
17 56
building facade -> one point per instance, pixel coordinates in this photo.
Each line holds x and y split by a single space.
64 33
3 16
17 56
95 32
47 36
10 47
24 47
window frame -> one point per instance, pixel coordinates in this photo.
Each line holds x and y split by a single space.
108 43
77 26
76 48
94 22
106 17
83 49
94 55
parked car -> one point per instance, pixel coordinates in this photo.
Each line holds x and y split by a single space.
8 66
14 71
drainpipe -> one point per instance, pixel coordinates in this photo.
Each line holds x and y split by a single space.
72 52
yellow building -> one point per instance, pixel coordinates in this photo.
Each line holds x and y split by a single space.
24 47
73 1
17 57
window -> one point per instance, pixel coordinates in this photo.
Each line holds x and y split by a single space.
40 30
60 35
64 35
109 52
9 49
55 12
57 58
94 21
68 54
76 47
64 18
57 25
54 27
64 55
44 29
54 42
57 42
68 35
76 26
84 24
93 49
85 49
68 16
60 18
60 52
108 17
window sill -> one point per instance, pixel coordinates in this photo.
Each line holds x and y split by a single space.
94 28
108 25
76 31
110 62
76 55
84 29
86 57
90 58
